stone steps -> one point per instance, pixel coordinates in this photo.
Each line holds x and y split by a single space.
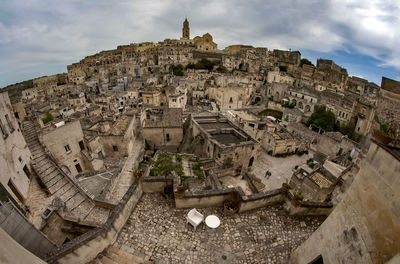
77 204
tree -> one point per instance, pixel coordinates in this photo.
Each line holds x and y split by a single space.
323 119
177 70
305 61
48 117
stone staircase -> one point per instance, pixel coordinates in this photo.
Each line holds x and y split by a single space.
113 255
79 205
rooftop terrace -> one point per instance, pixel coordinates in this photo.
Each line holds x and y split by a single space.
159 232
228 138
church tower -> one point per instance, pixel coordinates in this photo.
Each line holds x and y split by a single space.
185 30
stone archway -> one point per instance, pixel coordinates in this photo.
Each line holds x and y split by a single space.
300 105
307 108
294 102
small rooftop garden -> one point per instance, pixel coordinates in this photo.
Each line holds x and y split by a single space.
169 164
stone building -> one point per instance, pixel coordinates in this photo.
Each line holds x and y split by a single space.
151 96
115 134
340 104
65 141
186 30
287 58
280 77
278 141
335 75
363 117
230 97
15 157
250 123
205 43
313 184
304 99
177 100
163 127
363 226
221 141
388 106
276 91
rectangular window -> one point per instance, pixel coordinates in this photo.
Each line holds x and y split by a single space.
115 148
78 168
27 172
81 145
3 130
9 123
67 148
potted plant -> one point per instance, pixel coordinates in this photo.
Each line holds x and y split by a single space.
138 173
286 186
232 205
297 198
179 191
168 192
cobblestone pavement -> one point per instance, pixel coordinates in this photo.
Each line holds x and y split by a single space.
280 168
159 232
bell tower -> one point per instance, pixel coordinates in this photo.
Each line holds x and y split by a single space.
185 30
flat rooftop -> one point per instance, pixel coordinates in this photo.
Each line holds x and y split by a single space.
158 231
227 138
322 182
211 126
120 125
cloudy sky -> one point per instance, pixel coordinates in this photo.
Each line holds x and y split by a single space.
41 37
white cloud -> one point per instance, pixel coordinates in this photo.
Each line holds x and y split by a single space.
46 32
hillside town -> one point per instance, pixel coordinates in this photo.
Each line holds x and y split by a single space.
181 152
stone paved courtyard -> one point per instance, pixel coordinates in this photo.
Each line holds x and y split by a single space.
280 168
159 232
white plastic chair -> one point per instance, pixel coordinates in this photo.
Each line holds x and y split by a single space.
194 218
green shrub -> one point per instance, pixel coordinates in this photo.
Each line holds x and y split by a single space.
48 117
298 196
177 70
323 119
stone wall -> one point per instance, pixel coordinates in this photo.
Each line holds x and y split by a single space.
109 141
364 226
307 208
388 110
14 153
12 252
87 246
155 184
204 199
158 135
63 144
262 199
23 231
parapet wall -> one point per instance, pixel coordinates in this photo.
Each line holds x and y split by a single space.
86 247
154 184
216 198
262 199
203 199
